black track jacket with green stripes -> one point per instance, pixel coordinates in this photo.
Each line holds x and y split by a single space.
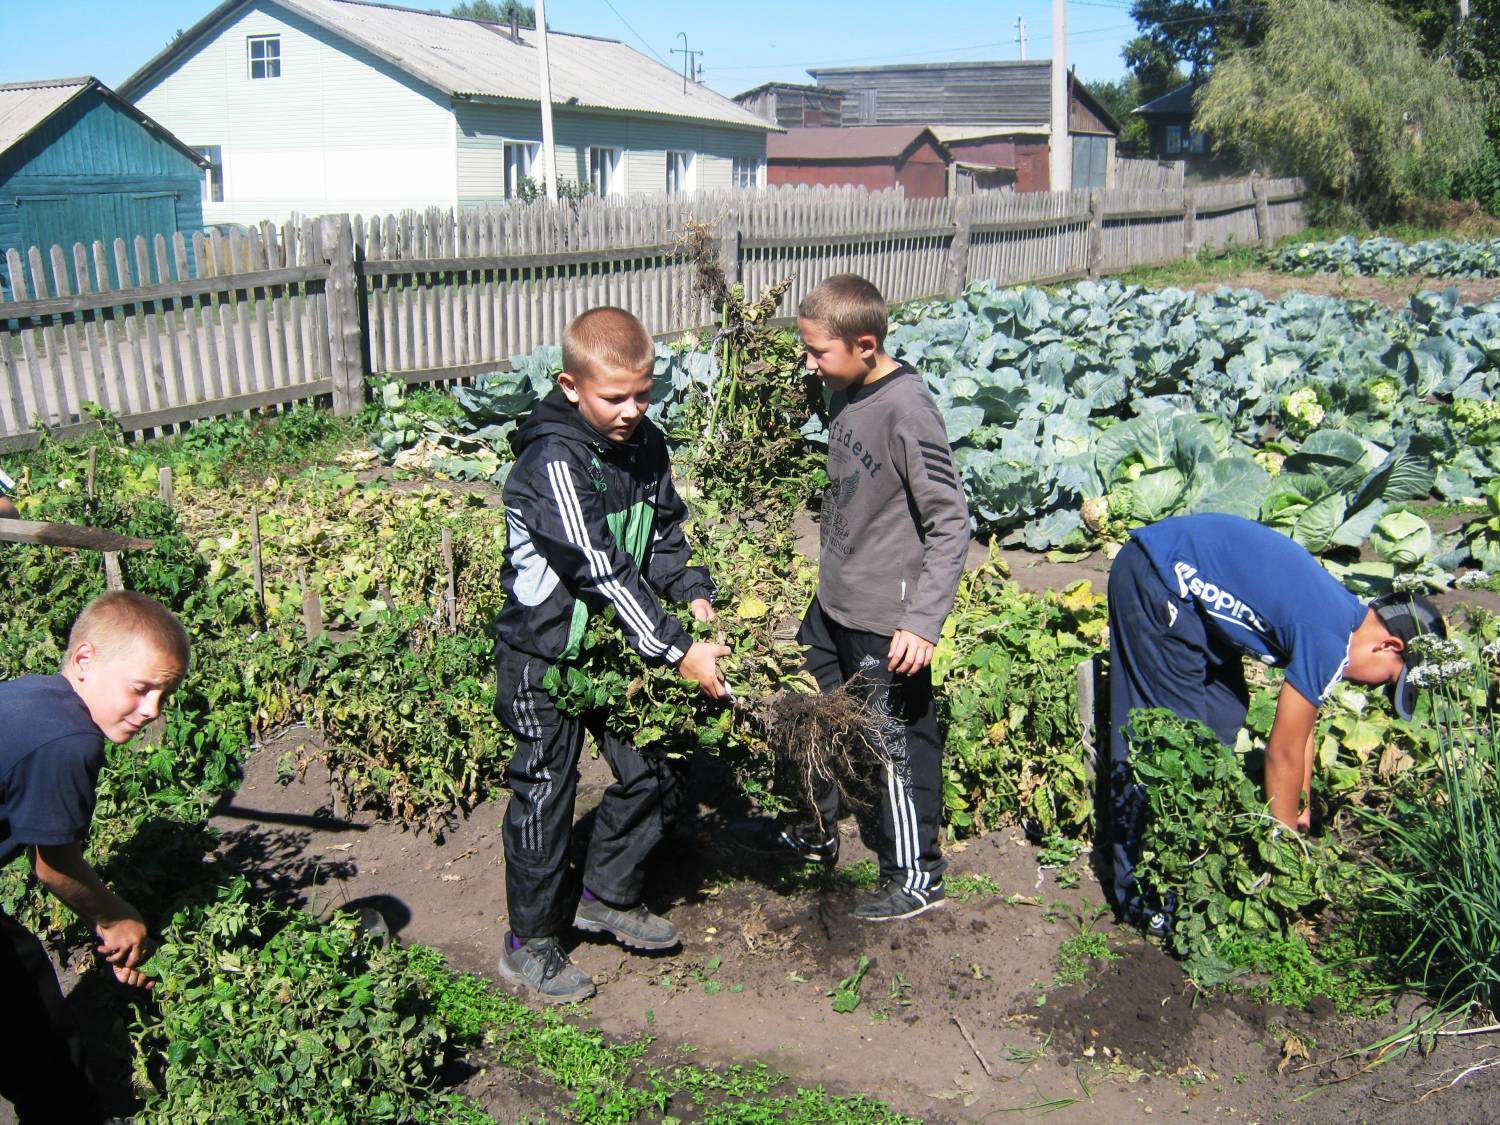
593 523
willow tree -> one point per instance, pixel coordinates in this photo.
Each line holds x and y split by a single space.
1340 93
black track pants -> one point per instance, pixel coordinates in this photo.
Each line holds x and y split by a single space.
42 1068
543 780
1161 655
910 788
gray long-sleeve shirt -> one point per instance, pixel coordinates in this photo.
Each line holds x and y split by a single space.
895 525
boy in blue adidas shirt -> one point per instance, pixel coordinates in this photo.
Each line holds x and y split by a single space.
1191 595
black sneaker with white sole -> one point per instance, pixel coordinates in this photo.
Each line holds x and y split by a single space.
786 843
891 901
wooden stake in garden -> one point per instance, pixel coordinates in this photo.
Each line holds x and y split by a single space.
257 574
312 608
93 465
164 484
450 599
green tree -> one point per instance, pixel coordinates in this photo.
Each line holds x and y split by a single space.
1342 94
1120 98
1195 32
496 13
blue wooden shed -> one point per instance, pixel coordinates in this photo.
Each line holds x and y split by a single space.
79 163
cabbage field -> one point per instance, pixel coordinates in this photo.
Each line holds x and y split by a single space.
1389 257
341 575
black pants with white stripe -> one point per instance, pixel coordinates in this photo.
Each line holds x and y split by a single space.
542 775
910 787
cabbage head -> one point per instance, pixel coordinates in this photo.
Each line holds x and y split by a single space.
1402 539
1302 411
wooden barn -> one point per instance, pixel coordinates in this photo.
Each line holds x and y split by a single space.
79 163
987 113
871 156
794 106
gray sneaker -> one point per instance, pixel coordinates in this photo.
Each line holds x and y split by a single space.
541 968
891 901
636 927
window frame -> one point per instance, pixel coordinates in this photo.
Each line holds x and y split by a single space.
512 172
213 175
269 60
611 183
1172 140
757 172
681 180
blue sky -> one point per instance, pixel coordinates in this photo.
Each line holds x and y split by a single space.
743 44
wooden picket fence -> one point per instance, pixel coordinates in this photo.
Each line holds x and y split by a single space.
160 334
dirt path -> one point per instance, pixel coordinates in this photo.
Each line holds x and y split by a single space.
760 953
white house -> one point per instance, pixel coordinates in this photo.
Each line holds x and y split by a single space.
318 106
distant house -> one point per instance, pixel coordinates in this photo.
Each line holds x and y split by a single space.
871 156
1169 125
794 106
316 106
1003 108
78 163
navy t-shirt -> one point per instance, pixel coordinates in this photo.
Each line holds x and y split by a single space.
50 756
1259 592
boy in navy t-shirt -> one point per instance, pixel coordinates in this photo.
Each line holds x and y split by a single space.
1191 595
125 656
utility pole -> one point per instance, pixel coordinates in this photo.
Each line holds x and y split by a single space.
689 59
549 145
1060 145
1021 35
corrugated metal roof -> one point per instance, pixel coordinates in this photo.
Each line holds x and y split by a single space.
946 133
25 105
470 58
853 142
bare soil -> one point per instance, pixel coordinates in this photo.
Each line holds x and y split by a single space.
1388 291
1133 1039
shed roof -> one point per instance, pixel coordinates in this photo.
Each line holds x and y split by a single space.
26 106
947 133
853 142
1178 101
467 58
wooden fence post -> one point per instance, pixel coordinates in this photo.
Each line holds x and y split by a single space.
345 345
1262 213
958 249
1189 224
1096 231
729 246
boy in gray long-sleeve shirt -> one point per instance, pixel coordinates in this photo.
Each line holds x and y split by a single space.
895 532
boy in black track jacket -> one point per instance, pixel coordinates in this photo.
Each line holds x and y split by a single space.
592 521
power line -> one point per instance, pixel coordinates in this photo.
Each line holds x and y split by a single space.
639 38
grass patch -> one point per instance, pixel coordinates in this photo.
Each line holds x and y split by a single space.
1080 954
1205 266
1296 976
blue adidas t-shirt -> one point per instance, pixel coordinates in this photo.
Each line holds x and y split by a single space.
50 757
1260 592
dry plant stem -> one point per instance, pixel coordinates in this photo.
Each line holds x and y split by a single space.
969 1039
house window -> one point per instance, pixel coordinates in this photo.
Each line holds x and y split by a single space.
1198 141
1174 139
748 172
604 171
519 158
213 175
265 56
680 167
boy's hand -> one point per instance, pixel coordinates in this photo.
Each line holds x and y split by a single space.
909 653
133 977
124 943
702 610
701 665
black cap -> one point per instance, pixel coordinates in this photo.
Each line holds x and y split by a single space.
1408 616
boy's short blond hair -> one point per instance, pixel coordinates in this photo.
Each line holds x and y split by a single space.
848 307
606 338
113 620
